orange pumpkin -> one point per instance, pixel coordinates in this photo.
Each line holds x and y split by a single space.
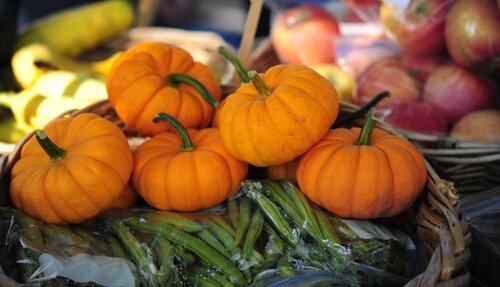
278 116
186 171
367 173
127 198
155 77
71 171
285 171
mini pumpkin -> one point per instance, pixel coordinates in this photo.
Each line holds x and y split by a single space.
72 170
366 173
155 77
278 116
285 171
186 171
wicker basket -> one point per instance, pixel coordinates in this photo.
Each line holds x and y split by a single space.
471 166
434 221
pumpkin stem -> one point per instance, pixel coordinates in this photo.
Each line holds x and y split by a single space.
175 79
187 144
259 84
240 70
367 130
361 111
54 152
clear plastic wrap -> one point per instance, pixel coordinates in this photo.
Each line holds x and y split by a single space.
268 234
482 212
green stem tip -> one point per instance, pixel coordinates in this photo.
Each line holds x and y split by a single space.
175 79
54 152
240 70
259 84
186 144
367 130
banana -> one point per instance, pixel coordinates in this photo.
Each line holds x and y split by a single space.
59 84
79 29
12 131
34 60
36 110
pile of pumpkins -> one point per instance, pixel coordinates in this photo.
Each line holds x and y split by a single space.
199 145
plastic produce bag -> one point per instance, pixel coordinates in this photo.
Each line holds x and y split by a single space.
268 234
482 212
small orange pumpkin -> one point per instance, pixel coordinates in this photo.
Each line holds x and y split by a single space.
127 198
186 171
71 171
155 77
366 173
285 171
278 116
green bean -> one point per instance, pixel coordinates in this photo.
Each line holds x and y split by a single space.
211 240
62 235
302 204
183 255
221 221
326 226
197 246
199 281
272 213
171 218
207 272
275 243
253 233
233 212
285 267
29 226
276 195
245 213
225 238
117 250
136 251
95 246
165 260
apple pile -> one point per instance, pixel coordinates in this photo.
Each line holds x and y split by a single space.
451 51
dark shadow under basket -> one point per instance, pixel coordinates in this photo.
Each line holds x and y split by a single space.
434 221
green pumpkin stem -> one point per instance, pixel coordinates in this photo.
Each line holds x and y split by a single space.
367 130
187 144
175 79
54 152
259 84
240 70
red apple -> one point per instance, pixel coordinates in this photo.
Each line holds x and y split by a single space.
305 34
420 66
478 126
387 75
472 31
417 116
361 3
455 92
418 27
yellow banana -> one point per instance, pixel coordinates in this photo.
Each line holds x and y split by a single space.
59 84
12 131
33 61
78 29
36 110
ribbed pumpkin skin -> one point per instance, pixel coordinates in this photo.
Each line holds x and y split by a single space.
362 181
171 179
285 171
93 173
137 89
276 129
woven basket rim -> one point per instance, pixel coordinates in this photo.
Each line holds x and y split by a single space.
439 220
